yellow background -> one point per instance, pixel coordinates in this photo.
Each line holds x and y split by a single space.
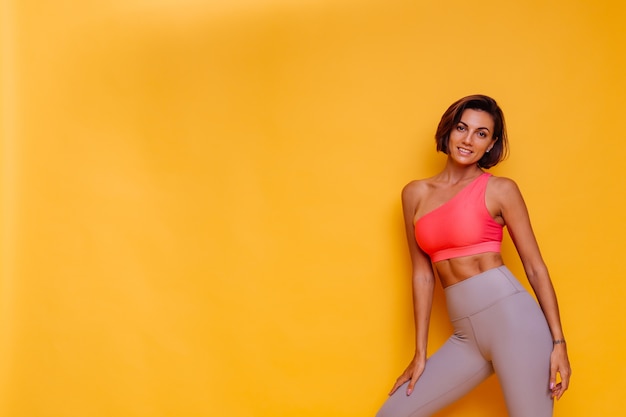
200 207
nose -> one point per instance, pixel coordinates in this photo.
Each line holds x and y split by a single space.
467 137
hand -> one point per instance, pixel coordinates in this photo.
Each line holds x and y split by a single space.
412 374
559 364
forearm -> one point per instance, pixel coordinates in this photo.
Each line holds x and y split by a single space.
422 304
546 296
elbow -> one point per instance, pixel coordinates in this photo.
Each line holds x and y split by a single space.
423 280
536 272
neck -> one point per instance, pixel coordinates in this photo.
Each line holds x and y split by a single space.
456 173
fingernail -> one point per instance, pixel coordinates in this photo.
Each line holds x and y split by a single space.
551 385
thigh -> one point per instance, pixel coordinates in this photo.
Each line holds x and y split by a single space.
450 373
520 351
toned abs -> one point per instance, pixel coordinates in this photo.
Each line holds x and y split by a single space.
453 271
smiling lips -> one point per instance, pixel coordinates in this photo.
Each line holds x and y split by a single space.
464 151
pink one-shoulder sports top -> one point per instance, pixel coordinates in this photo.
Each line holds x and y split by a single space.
460 227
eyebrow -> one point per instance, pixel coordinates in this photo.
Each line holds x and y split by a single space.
479 128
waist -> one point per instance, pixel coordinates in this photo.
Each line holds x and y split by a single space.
480 291
454 270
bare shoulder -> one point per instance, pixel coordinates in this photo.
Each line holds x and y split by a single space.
505 193
412 194
503 186
415 190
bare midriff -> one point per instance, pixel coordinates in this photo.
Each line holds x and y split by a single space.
455 270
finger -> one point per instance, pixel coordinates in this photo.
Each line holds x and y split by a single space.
398 384
552 379
565 376
409 388
393 389
563 385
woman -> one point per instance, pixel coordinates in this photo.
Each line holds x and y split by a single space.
454 224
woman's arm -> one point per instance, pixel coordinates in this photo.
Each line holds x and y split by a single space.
517 220
423 281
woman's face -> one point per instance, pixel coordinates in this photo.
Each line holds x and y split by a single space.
471 137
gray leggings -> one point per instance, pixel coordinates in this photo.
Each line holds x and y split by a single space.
498 326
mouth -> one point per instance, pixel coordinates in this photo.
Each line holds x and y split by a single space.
464 151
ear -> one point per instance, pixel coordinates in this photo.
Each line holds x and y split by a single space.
493 143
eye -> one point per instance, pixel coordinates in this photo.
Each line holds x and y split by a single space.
460 128
482 134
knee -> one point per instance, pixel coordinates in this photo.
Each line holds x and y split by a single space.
388 410
383 413
397 408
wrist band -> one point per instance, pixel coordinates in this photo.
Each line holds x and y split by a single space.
558 341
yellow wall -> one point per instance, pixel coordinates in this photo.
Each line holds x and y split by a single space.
200 200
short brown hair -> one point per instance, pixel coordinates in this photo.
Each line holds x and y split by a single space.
452 116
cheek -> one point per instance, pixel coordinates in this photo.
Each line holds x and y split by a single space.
454 135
